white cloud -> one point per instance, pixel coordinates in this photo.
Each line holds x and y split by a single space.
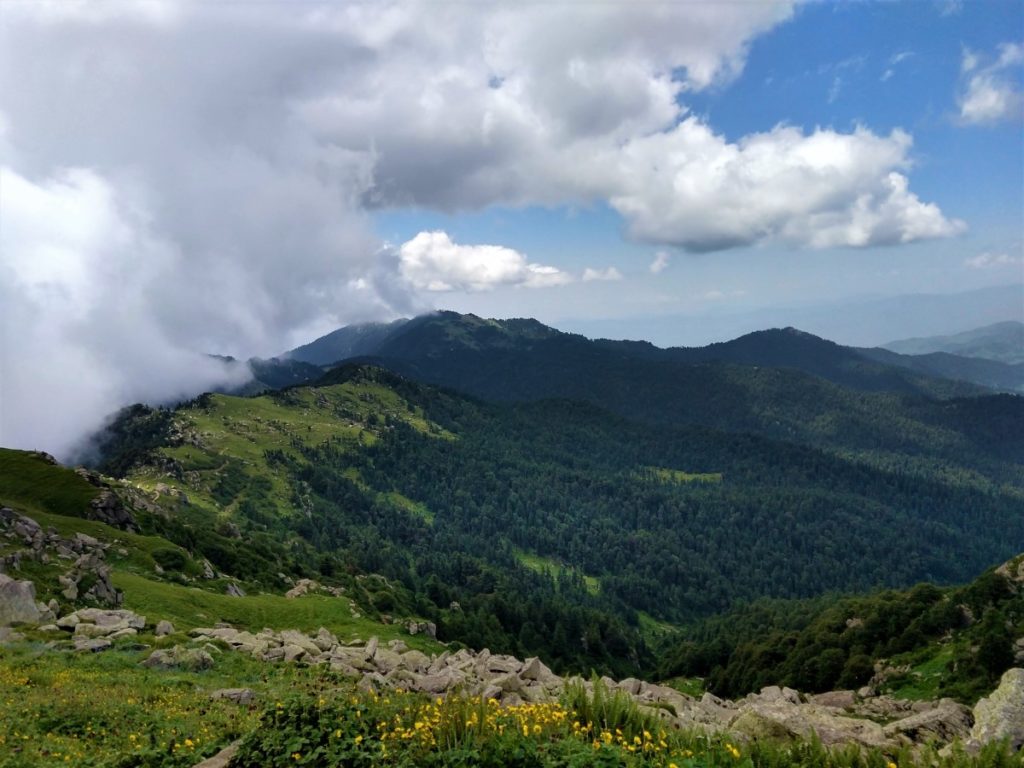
992 93
990 260
237 150
78 267
691 188
608 274
432 262
660 263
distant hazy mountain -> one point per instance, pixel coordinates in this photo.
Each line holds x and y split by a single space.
865 322
1003 377
1001 341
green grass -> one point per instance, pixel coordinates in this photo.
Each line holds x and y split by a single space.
678 476
549 565
690 686
234 434
188 607
28 479
414 508
925 677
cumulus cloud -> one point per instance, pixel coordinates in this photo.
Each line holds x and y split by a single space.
992 93
432 262
609 274
236 153
990 260
692 188
660 263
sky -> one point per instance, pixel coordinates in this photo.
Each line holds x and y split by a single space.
182 177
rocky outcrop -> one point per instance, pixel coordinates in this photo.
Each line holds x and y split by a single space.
89 576
839 717
97 622
1001 714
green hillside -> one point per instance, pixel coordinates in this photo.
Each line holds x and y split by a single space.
925 642
456 501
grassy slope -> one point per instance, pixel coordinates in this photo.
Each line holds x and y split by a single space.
28 478
226 434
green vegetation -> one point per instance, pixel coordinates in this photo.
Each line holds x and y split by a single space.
934 642
583 731
31 479
520 528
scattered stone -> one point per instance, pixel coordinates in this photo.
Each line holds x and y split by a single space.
222 758
92 645
178 657
164 628
242 696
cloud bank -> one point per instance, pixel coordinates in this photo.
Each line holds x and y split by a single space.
185 177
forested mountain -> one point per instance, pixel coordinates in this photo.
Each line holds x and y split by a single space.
926 640
528 526
1003 342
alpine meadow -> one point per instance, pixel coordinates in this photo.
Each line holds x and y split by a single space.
484 384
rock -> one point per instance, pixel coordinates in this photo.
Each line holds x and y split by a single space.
208 572
222 758
834 699
49 628
397 646
428 628
942 723
234 590
416 661
18 602
108 508
242 696
324 639
441 682
293 652
302 587
386 660
86 540
164 628
371 647
116 618
1000 715
178 657
92 645
630 685
295 638
126 632
535 669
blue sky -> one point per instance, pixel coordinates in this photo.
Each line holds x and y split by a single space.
882 66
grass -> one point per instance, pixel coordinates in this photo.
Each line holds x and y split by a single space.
188 607
28 479
539 564
60 709
233 434
924 678
679 477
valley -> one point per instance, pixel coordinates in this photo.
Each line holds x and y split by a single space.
708 545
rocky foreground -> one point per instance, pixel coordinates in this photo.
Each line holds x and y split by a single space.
837 717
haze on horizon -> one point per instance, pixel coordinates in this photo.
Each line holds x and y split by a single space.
182 177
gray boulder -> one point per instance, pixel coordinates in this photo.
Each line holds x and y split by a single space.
242 696
192 659
1000 715
18 602
164 628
